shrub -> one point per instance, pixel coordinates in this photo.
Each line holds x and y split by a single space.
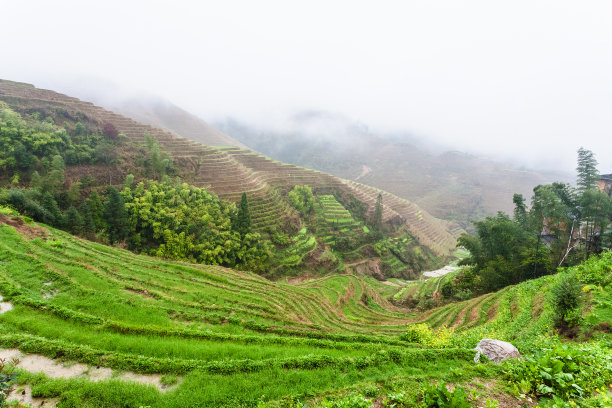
423 334
566 303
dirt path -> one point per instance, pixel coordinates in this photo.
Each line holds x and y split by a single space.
365 170
36 363
5 306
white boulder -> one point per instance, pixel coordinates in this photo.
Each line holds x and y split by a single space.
496 350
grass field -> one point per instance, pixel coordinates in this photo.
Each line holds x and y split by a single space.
220 337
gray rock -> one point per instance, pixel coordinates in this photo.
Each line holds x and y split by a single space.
496 350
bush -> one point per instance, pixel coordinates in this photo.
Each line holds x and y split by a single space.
566 303
423 334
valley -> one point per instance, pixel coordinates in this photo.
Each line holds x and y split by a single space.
139 268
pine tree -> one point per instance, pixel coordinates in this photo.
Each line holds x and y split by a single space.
54 216
115 216
71 221
243 218
588 175
89 227
96 210
378 214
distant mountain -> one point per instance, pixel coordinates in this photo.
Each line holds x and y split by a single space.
451 185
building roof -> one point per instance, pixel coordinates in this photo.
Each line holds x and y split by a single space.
606 177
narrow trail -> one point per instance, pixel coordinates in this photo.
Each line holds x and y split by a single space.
365 170
36 363
5 306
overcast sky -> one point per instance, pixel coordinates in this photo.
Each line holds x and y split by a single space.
528 79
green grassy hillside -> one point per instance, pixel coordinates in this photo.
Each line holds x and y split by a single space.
221 337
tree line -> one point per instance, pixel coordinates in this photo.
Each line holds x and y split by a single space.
562 227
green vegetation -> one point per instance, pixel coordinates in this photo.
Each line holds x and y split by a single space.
563 227
230 338
208 335
302 199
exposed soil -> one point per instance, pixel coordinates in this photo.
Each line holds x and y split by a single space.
23 395
538 305
28 231
493 390
36 363
386 282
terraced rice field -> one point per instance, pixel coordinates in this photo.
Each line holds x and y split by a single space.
229 171
335 221
423 288
214 329
189 320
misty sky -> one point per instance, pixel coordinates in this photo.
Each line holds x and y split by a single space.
528 79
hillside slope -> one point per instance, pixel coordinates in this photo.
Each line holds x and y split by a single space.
228 338
230 171
450 185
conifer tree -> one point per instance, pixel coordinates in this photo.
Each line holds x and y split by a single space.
378 214
71 221
115 216
587 170
89 227
243 218
96 210
54 216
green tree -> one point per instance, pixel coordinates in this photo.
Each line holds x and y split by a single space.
302 199
96 209
72 221
588 176
159 162
129 180
243 217
377 221
520 210
503 253
54 180
596 212
89 227
115 216
53 214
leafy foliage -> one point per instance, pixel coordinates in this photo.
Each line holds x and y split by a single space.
30 144
563 373
349 401
435 396
6 379
302 199
179 221
566 302
422 333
